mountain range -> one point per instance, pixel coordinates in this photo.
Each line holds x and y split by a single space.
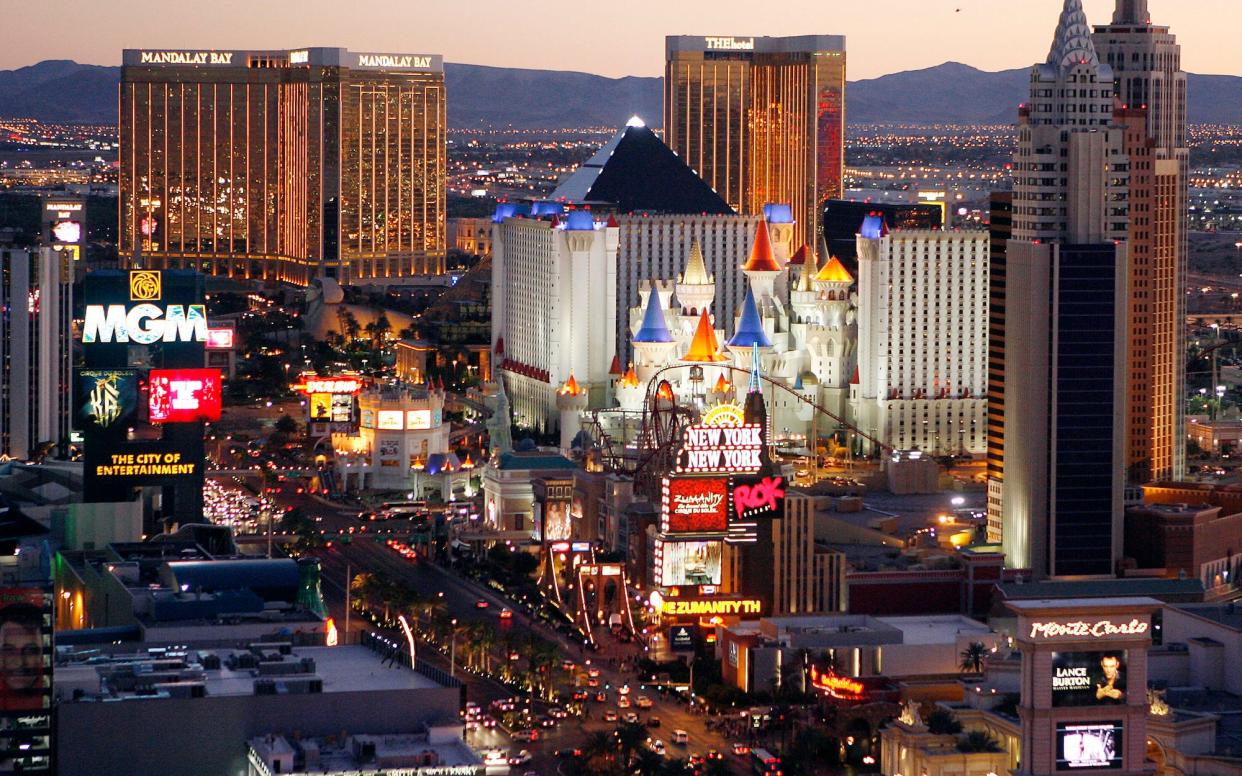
483 96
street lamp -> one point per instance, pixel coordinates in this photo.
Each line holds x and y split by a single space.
453 648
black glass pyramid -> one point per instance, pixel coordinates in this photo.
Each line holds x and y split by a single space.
636 172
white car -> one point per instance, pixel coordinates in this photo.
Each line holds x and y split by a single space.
657 746
521 758
643 702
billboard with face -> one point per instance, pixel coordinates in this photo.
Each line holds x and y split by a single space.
1089 678
184 395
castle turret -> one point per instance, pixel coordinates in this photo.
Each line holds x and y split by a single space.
653 342
803 298
761 267
696 290
571 400
630 391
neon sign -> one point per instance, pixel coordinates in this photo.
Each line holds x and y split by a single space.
311 385
393 60
681 607
730 44
721 448
695 505
836 686
1083 628
184 395
144 324
761 498
186 58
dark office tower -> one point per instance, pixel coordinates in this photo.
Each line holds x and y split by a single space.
1066 312
762 120
1151 87
842 219
1000 229
284 165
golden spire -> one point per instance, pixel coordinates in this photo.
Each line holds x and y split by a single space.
696 268
834 272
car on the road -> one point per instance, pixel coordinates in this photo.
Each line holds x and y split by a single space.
593 673
546 722
643 702
694 759
581 695
740 749
600 697
624 703
653 722
505 614
657 746
481 604
680 736
523 757
593 682
610 716
487 721
567 753
715 754
556 712
630 718
623 689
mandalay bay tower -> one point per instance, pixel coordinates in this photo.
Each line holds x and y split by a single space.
283 165
760 119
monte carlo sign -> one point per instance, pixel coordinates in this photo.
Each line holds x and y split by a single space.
143 320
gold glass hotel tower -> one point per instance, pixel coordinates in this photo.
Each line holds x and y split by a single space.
284 165
760 119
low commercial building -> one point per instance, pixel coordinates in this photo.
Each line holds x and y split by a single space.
436 751
1187 540
509 494
402 444
203 706
754 654
1215 436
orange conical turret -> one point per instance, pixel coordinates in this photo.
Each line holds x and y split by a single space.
704 347
762 259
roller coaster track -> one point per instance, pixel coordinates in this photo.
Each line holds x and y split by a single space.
657 438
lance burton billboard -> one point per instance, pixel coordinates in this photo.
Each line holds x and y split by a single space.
184 395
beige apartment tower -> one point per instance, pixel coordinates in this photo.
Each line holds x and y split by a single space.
760 119
285 165
1151 90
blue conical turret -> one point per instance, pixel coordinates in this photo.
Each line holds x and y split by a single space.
750 332
654 328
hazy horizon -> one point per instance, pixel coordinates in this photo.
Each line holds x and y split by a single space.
979 33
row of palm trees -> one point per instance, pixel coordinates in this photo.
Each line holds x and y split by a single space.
519 659
625 751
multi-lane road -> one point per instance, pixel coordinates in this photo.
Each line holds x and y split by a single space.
460 596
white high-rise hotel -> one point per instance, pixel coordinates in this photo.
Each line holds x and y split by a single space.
922 339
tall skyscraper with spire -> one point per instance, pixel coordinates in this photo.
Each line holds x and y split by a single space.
1151 92
1066 317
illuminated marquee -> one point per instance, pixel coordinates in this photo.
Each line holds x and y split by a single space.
762 498
393 61
695 505
145 323
185 57
1088 628
836 686
730 44
311 385
721 448
220 338
683 607
184 395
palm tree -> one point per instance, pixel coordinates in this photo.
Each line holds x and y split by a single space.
978 741
630 737
647 761
973 658
485 639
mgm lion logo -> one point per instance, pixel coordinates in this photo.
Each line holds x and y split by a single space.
144 285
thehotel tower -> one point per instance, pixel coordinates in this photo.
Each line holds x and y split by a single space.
1151 87
1066 313
283 165
761 120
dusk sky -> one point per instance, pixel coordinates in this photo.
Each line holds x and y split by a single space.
612 39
